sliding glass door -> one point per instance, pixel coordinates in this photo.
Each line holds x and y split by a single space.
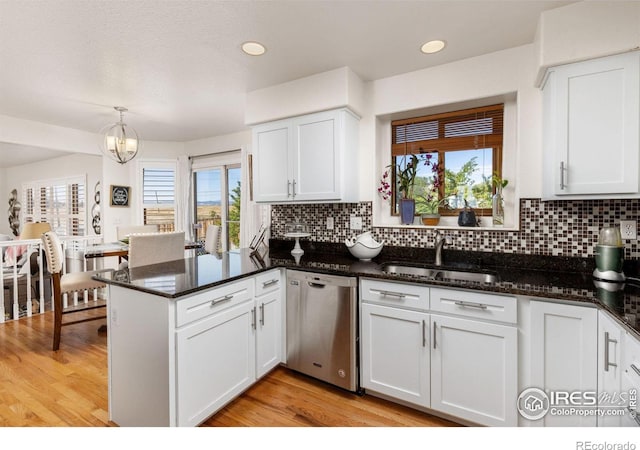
217 197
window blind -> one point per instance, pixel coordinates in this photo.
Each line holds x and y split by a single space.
59 202
458 130
159 186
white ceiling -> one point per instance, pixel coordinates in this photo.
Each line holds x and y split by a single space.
178 67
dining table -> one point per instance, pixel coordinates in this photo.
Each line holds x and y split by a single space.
121 249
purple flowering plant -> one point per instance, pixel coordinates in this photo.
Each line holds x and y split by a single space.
405 173
429 202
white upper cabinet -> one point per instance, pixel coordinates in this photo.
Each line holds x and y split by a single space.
307 158
591 128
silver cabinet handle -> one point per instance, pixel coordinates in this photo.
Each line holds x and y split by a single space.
435 325
390 294
470 305
253 318
294 188
221 299
288 188
269 283
562 170
424 334
635 369
262 314
608 364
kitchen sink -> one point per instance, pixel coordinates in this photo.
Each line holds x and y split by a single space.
438 274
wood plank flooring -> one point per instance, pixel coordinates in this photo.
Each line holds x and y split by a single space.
39 387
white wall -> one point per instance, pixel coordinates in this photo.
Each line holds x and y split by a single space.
62 167
323 91
585 30
218 144
37 134
114 173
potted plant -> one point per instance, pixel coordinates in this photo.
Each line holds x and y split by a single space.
429 202
497 201
405 173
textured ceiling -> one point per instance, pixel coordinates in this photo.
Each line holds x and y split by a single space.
178 67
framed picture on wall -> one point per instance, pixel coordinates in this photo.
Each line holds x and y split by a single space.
120 195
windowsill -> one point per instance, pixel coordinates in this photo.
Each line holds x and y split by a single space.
446 223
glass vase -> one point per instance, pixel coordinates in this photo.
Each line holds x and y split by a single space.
407 211
498 208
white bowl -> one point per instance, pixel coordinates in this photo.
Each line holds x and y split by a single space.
364 252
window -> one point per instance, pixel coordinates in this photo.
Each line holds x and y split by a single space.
457 154
60 202
158 196
218 195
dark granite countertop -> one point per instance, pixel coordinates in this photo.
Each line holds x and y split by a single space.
555 278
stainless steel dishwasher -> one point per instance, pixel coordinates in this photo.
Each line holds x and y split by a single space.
322 327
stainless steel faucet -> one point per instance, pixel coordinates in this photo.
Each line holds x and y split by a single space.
440 242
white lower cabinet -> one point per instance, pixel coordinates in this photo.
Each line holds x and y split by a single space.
269 332
215 362
395 353
564 349
175 362
610 340
441 349
474 370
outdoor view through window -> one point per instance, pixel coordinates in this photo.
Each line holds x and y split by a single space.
211 187
455 155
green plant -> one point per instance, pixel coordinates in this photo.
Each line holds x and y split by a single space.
498 182
406 173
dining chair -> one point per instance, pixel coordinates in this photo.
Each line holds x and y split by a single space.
67 283
212 239
154 248
124 231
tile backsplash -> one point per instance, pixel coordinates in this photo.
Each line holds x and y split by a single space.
555 228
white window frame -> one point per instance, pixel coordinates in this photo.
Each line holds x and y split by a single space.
38 215
141 205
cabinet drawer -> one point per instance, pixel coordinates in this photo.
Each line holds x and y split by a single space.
209 302
389 293
268 282
472 304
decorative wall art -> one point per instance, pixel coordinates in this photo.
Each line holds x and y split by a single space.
95 209
14 212
120 195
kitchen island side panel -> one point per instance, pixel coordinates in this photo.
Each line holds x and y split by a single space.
139 339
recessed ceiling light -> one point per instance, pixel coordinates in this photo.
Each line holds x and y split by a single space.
432 46
253 48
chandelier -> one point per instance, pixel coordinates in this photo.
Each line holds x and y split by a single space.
121 142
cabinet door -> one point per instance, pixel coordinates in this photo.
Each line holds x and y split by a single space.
474 370
271 170
395 353
269 332
564 349
631 380
215 360
316 160
610 338
595 134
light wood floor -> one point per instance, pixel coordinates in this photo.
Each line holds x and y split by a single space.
39 387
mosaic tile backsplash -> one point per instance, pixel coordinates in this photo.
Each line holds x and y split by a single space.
555 228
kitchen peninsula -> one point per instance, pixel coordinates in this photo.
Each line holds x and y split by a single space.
187 337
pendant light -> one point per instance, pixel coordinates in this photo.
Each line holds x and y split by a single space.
121 142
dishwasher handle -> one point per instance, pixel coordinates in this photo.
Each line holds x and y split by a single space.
316 285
